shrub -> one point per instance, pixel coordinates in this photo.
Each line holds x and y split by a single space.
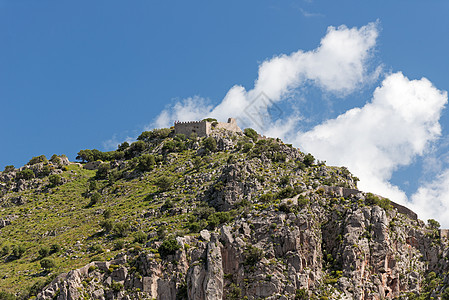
97 248
56 160
37 159
118 245
55 180
123 146
309 160
25 174
43 252
371 199
247 147
47 263
55 248
210 144
161 133
251 133
252 255
94 198
7 296
301 294
8 169
102 172
164 183
140 237
267 197
146 162
116 286
434 224
121 229
197 162
107 213
5 250
168 247
107 225
18 251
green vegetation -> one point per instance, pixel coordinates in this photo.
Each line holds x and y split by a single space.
372 199
150 191
168 247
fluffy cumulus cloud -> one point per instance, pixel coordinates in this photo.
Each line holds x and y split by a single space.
396 126
431 200
338 65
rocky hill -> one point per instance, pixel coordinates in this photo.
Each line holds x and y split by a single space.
230 216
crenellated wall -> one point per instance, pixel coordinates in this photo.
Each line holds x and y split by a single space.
204 128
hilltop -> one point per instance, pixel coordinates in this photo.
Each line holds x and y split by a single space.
231 215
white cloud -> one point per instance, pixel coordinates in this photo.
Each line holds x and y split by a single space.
339 65
396 126
193 108
431 201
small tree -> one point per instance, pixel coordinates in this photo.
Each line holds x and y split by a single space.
103 169
43 252
8 169
251 133
55 180
164 183
210 144
168 247
146 162
47 263
18 251
37 159
309 160
94 199
434 224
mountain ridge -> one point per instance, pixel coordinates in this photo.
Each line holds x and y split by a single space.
177 217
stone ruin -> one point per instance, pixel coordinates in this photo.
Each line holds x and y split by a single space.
204 128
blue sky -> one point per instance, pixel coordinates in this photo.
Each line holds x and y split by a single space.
90 74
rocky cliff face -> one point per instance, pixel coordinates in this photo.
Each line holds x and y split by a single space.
234 217
312 245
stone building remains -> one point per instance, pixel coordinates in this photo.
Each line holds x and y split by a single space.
204 128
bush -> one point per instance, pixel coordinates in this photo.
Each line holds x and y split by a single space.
18 251
140 237
252 255
154 134
164 183
56 160
97 248
107 225
102 172
5 250
168 247
146 162
121 229
47 263
55 248
94 198
8 169
309 160
247 147
25 174
118 245
43 252
434 224
107 213
37 159
251 133
210 144
371 199
55 180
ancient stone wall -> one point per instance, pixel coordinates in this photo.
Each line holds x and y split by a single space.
201 128
231 125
